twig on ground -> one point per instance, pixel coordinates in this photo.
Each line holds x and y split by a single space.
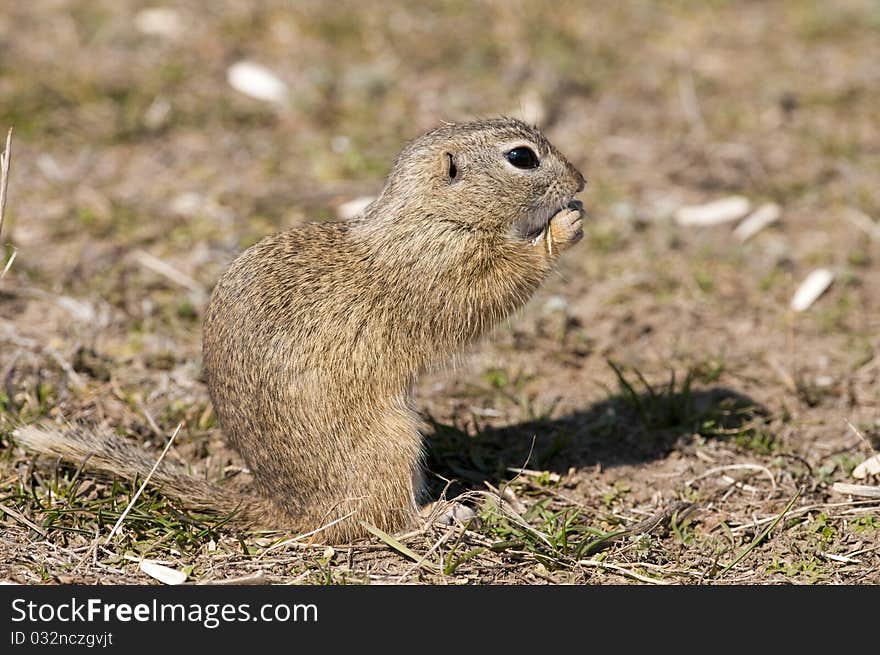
863 222
522 469
861 490
24 520
804 510
256 579
734 467
861 437
622 570
687 94
8 264
165 269
93 549
838 558
143 485
300 537
5 160
783 375
442 540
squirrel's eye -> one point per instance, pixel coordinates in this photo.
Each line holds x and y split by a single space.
523 157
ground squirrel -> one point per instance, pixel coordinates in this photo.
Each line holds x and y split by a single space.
314 337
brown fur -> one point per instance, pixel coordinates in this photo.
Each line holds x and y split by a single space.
314 337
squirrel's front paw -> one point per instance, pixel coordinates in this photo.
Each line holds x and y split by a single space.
566 228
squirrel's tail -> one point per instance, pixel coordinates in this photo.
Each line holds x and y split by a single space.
107 452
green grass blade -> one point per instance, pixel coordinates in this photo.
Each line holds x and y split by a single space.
763 535
395 544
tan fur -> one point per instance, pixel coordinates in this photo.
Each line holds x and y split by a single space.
106 451
314 337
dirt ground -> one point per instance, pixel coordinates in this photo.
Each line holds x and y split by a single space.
677 421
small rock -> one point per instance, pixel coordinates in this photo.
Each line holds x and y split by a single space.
713 213
623 211
159 21
192 203
663 208
188 203
824 381
157 113
340 144
811 288
257 81
555 304
50 168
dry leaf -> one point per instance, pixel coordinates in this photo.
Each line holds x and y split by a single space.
714 213
870 466
161 573
756 221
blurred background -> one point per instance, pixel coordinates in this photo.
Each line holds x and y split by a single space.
153 142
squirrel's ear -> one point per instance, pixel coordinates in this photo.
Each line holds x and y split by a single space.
450 170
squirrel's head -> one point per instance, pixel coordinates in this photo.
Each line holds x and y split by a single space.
499 175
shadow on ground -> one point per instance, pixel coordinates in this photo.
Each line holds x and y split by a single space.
626 428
